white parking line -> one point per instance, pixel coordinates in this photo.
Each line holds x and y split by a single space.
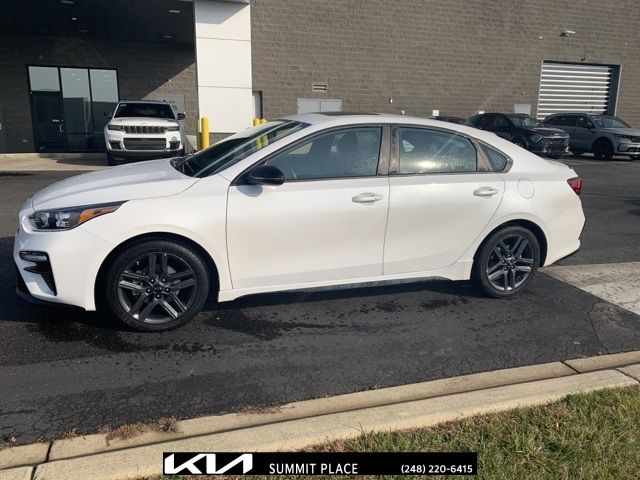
618 283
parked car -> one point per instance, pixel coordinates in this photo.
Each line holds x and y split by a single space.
143 129
311 200
451 119
525 131
602 135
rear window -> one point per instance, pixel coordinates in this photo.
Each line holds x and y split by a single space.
497 159
151 110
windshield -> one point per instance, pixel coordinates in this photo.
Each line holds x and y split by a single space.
525 121
153 110
235 148
608 121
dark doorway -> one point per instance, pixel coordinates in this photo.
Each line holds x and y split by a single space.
48 121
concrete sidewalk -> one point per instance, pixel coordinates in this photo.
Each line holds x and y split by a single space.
34 162
301 424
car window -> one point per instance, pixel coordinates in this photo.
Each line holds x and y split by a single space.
434 151
343 153
561 120
500 122
149 110
609 121
583 122
498 160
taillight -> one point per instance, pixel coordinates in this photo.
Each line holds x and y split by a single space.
576 184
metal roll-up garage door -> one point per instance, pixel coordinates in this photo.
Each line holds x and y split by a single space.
571 87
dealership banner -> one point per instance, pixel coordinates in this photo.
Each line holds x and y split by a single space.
320 463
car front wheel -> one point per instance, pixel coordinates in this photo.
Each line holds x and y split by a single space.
603 149
507 262
156 285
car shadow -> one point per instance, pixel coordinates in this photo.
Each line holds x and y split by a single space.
16 309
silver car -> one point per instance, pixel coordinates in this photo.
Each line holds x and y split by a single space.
602 135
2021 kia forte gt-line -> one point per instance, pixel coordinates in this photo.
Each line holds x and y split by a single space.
310 200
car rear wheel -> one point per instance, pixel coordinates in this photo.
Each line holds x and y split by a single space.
156 285
507 262
603 149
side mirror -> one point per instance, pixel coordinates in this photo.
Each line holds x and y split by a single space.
265 175
181 116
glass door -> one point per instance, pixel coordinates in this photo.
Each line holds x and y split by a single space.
46 109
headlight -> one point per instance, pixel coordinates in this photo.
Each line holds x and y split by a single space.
67 218
115 127
173 128
621 136
535 138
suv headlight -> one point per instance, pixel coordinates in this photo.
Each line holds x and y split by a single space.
115 127
535 138
622 136
68 218
173 128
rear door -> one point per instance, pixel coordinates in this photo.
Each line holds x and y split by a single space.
584 132
440 199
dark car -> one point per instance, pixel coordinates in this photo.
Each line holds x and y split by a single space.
602 135
451 119
525 131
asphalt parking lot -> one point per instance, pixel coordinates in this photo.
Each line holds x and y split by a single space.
61 369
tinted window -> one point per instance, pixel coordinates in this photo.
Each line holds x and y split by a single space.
352 152
525 121
500 122
155 110
583 122
497 159
609 121
433 151
235 148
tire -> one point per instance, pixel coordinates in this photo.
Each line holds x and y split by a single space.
143 292
578 153
112 162
603 149
499 277
520 142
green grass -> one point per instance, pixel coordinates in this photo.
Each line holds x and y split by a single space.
586 436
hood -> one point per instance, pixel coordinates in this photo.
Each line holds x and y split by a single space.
155 178
547 131
154 122
635 132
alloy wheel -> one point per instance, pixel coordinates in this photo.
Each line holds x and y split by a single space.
510 263
157 288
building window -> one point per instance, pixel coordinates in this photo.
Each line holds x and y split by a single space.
71 106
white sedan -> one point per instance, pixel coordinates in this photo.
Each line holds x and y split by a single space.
307 201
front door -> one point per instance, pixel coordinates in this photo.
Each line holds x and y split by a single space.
439 201
325 223
48 121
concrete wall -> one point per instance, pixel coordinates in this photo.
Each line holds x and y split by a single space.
144 70
452 55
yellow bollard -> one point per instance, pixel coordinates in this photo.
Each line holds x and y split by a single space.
204 132
256 122
198 136
263 120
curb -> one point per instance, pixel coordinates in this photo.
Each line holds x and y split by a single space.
301 424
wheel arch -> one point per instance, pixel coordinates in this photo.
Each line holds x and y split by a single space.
602 138
214 274
529 225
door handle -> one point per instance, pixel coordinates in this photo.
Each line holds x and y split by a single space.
366 197
485 192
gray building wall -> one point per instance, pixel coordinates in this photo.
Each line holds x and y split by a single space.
144 69
456 56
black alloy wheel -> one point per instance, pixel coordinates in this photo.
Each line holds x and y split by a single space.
157 285
507 262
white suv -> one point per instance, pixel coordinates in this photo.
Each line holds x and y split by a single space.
143 129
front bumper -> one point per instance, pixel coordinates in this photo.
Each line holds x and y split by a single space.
125 145
627 147
75 257
549 147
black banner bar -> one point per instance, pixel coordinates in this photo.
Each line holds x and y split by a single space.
320 463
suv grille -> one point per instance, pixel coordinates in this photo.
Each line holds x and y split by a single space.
556 140
145 143
142 129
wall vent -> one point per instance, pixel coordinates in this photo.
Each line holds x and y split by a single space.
320 87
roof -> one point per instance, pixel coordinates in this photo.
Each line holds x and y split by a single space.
163 102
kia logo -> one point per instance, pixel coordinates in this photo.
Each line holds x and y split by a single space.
208 461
